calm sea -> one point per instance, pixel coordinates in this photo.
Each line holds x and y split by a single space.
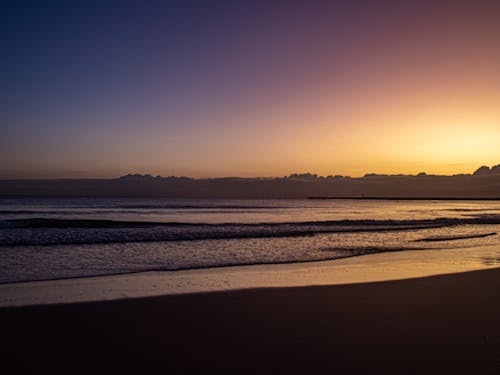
63 238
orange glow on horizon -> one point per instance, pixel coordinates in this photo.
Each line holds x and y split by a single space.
397 89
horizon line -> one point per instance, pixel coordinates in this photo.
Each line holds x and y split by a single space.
482 170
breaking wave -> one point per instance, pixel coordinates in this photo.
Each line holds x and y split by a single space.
44 231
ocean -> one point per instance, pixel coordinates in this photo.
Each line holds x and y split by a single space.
57 238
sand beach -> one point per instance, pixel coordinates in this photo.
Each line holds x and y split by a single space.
444 324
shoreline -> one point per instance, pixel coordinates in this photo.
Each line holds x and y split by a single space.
353 270
407 198
430 325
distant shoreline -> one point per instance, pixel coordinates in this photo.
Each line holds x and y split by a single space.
409 198
407 187
10 196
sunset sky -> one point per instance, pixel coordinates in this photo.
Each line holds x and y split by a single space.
257 88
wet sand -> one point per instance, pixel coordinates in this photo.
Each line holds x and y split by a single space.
433 325
361 269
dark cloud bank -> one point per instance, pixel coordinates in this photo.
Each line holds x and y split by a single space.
483 183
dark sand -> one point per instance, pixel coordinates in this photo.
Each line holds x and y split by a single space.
437 325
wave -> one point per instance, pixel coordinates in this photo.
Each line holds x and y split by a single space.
44 231
117 211
76 223
457 237
470 209
325 254
365 250
329 254
72 212
198 206
103 223
141 209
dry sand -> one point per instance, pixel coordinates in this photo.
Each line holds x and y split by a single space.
448 324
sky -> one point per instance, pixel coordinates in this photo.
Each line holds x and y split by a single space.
248 88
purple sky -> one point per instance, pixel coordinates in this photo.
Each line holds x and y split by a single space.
262 88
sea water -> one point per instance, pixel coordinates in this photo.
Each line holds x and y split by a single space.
54 238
